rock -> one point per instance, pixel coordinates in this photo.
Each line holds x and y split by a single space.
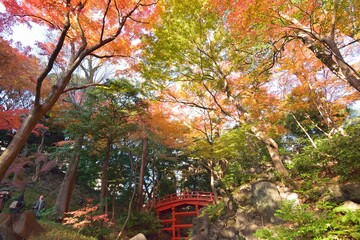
250 229
6 231
351 192
243 196
340 193
197 237
266 198
27 225
140 236
348 206
19 226
201 226
228 233
241 220
290 196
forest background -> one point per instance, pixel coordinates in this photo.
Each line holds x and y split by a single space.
139 99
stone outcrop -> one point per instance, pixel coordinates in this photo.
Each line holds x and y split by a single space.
19 226
266 199
341 193
253 206
248 209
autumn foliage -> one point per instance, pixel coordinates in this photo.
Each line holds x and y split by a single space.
87 219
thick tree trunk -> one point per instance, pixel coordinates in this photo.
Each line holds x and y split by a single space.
326 50
19 140
38 109
142 174
275 156
42 105
63 198
104 178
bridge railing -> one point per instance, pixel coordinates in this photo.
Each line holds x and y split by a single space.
193 195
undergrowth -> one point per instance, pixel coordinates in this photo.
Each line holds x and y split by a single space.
57 231
325 222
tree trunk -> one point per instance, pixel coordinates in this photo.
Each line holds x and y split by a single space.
113 202
326 50
273 150
212 185
38 110
132 169
43 105
142 174
19 140
104 178
63 198
36 177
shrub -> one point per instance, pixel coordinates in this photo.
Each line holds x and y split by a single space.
326 222
214 210
336 156
88 221
144 222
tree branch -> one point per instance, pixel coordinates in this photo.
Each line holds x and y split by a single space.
52 59
85 86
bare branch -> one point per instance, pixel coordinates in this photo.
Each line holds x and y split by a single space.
82 34
333 20
350 43
84 86
188 103
104 20
52 59
215 100
38 17
109 56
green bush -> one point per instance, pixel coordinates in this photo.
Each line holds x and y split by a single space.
326 222
143 222
214 210
335 156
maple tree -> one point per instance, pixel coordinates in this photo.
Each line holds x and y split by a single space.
193 55
329 29
155 128
315 99
80 29
16 85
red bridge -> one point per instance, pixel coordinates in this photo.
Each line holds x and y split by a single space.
176 211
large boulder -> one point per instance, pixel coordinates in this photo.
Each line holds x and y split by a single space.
6 231
19 226
139 236
201 227
27 225
266 198
341 193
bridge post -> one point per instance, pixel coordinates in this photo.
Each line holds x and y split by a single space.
173 222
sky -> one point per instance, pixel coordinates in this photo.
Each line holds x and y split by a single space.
23 34
26 36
